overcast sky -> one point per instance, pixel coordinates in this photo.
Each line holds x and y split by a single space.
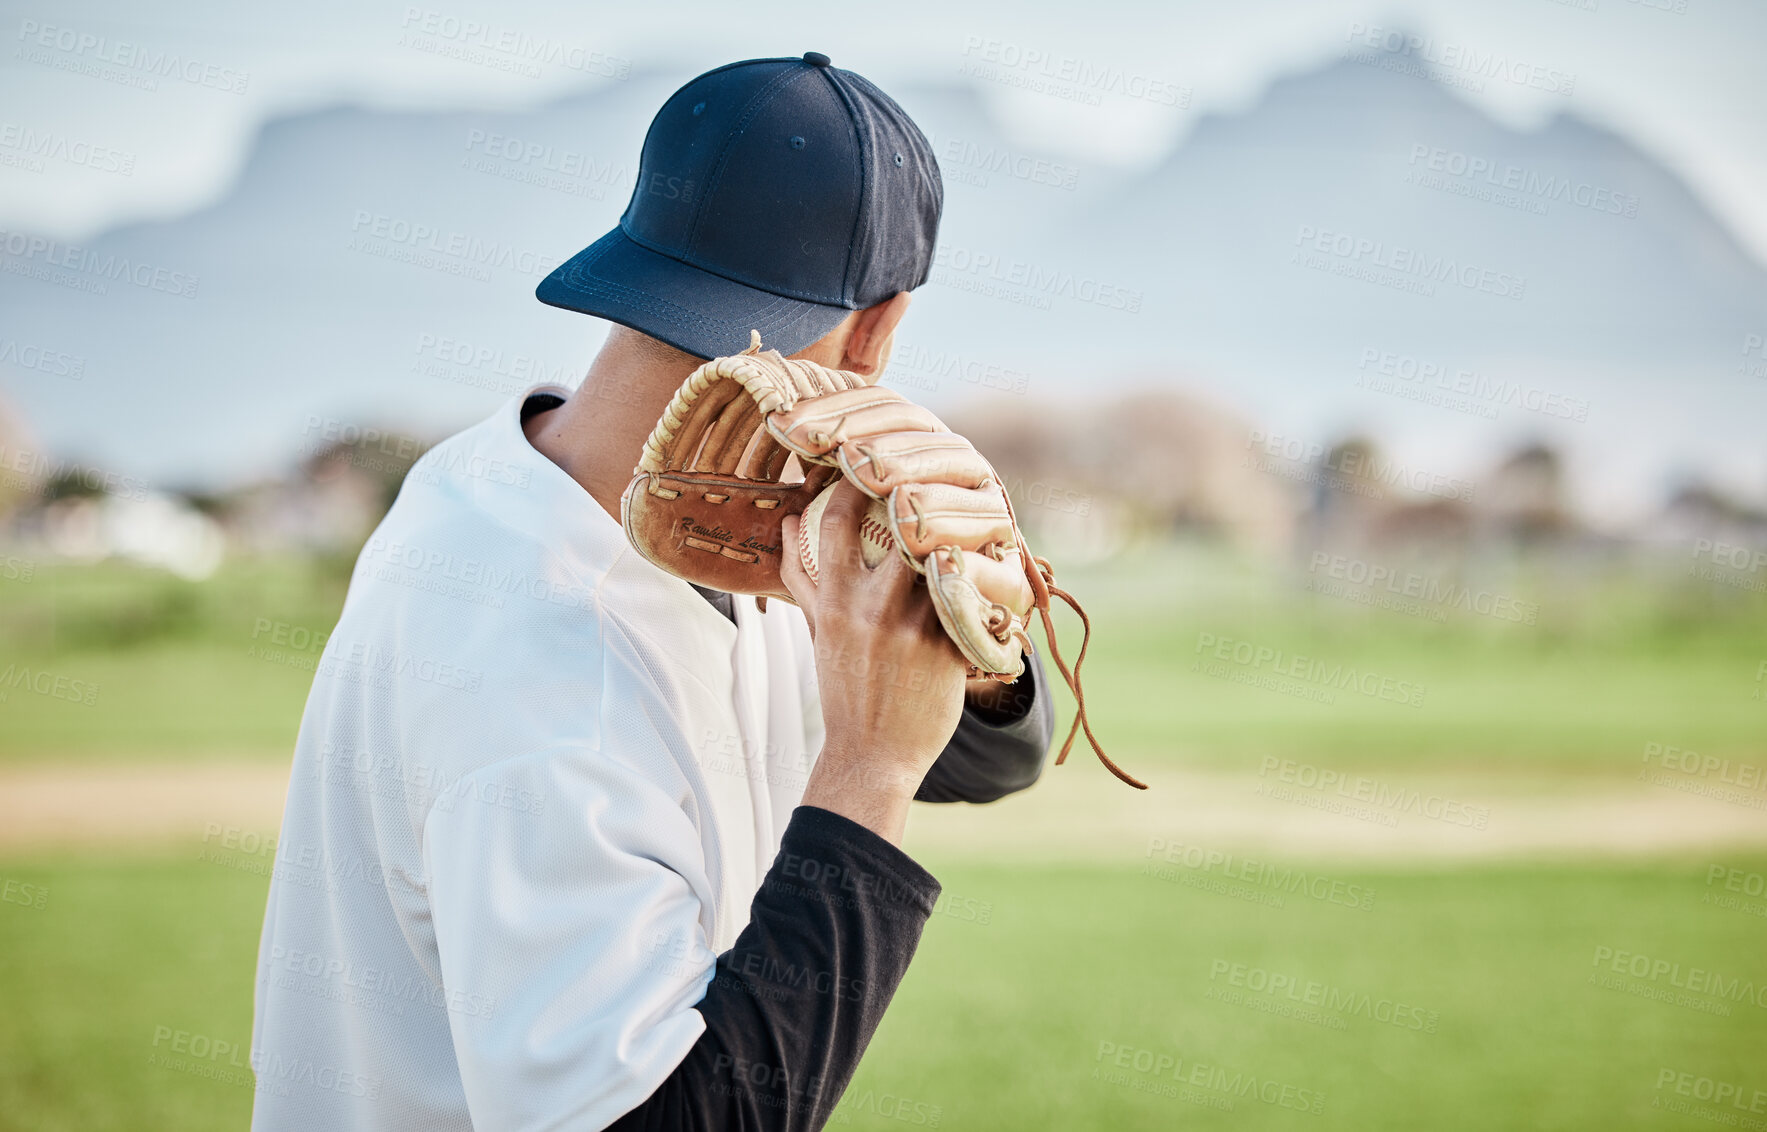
1686 85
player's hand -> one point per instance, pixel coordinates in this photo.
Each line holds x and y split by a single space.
892 683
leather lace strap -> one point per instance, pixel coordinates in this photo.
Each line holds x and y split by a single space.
1044 580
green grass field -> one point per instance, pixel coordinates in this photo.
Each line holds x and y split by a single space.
181 670
201 671
1086 999
1002 1023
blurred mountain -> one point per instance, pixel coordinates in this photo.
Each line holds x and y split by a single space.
378 265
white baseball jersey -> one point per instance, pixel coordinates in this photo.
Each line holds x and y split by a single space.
537 783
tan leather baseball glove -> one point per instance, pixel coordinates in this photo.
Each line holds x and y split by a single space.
707 501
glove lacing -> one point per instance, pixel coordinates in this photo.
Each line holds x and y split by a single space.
1043 585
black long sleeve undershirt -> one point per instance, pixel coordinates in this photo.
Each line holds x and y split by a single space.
796 1000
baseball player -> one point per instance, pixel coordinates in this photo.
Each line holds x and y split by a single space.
569 842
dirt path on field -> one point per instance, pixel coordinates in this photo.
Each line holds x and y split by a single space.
1076 812
44 807
1079 811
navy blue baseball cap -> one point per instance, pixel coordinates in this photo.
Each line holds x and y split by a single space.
773 194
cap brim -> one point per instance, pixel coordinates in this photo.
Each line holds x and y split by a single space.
691 309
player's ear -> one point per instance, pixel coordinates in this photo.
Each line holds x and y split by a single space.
868 346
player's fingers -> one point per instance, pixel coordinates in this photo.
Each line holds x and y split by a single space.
792 573
840 563
895 583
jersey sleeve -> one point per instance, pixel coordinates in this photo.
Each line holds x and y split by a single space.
574 955
797 999
572 942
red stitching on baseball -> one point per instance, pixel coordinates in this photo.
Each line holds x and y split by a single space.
804 555
876 532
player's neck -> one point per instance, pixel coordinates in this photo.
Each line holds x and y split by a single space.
596 436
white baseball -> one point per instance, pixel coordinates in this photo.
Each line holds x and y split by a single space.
875 539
